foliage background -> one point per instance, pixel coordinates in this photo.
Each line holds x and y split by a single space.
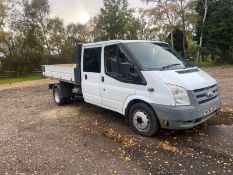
29 37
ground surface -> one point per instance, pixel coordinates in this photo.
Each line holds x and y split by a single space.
37 137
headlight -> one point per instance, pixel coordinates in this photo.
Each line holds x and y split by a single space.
180 95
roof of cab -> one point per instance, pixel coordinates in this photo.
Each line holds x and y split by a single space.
118 41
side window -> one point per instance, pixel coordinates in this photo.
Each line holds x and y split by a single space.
116 63
111 59
92 60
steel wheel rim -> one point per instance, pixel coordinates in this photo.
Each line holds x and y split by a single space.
57 97
140 120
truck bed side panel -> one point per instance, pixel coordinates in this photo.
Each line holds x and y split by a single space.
59 72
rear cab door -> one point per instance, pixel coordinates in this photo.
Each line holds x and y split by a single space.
91 74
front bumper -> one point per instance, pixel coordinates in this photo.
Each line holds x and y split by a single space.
184 117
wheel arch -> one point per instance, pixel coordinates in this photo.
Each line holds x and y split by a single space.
64 88
133 100
56 86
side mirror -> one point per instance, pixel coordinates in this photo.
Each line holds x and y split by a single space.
134 75
128 70
125 68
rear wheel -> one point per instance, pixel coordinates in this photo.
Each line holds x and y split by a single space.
143 119
58 97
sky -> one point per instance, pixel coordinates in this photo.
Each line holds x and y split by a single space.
80 10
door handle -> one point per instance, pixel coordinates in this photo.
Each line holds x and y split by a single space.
102 78
85 77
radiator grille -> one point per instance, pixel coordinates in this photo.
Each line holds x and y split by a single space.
207 94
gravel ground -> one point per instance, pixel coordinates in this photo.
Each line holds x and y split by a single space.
37 137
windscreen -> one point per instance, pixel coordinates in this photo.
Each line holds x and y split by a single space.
152 56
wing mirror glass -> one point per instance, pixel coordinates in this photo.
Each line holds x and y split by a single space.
128 70
133 72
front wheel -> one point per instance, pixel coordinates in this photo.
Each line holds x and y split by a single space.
143 120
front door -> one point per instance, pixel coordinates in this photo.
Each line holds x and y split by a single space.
91 76
115 87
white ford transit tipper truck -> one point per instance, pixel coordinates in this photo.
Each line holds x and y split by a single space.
146 81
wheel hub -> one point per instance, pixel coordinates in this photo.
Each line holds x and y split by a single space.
140 120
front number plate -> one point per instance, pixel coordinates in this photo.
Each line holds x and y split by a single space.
210 110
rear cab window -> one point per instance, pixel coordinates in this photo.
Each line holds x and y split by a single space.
92 60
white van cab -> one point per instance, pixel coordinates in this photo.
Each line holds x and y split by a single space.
146 81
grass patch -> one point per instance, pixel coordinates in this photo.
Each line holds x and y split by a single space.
20 79
208 64
212 65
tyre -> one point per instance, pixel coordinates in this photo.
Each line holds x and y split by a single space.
143 120
57 96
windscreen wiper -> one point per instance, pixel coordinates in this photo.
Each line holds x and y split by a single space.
169 66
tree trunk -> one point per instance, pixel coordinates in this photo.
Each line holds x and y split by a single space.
45 38
184 38
183 28
202 31
212 56
172 38
170 26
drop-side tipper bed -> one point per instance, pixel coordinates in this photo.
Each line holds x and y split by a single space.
62 72
146 81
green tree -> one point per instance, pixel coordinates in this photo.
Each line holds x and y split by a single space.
42 10
57 35
217 33
2 14
116 20
25 42
220 27
178 40
205 6
95 32
78 32
165 16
